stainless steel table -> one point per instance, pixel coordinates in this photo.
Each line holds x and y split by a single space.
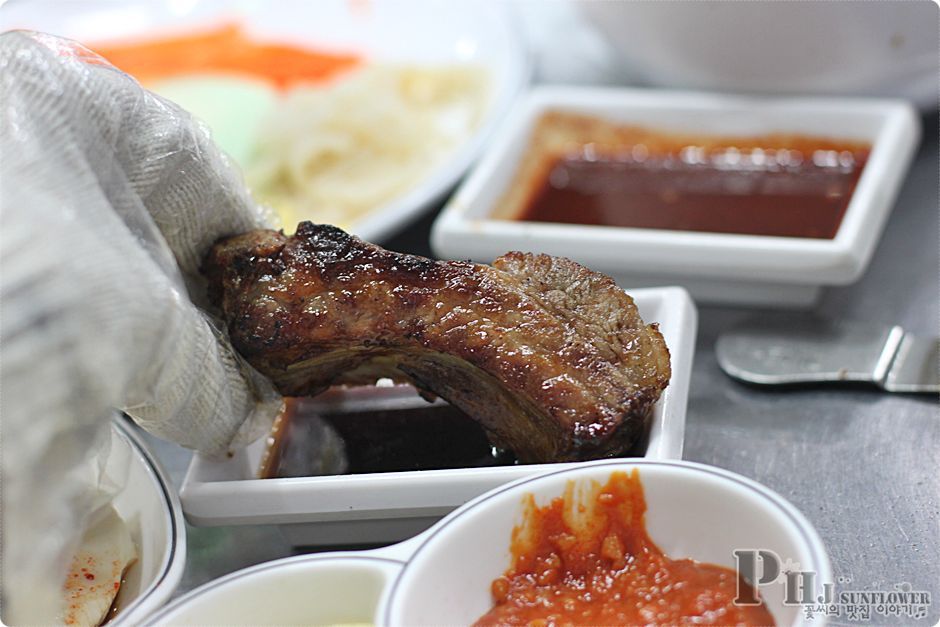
864 466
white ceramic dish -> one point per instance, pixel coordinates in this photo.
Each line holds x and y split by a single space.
443 576
387 507
387 31
714 267
150 507
822 48
326 589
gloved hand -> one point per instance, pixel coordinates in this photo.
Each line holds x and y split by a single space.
110 198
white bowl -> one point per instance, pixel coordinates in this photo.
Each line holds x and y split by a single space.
326 589
714 267
694 511
823 48
387 507
407 31
149 506
443 576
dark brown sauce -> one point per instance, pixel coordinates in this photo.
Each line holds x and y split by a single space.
370 429
791 192
309 441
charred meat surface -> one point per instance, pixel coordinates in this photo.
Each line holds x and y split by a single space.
551 358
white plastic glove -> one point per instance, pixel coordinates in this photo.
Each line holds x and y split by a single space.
109 198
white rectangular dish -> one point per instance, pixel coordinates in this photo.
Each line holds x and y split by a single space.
714 267
387 507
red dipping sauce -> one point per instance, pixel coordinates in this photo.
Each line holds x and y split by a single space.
587 171
605 570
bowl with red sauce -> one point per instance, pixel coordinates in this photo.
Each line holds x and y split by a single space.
611 542
745 200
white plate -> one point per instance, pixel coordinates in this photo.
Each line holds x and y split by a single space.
386 507
714 267
150 507
443 576
395 31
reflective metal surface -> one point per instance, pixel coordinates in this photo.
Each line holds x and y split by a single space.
799 348
864 466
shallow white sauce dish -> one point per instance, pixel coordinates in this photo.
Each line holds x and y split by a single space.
714 267
391 506
443 576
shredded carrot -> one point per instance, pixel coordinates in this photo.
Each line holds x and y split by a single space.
226 50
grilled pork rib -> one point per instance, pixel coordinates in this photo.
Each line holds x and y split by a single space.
551 358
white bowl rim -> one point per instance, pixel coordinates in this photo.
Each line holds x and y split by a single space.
805 530
174 560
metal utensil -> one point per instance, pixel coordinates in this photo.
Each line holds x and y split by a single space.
804 349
